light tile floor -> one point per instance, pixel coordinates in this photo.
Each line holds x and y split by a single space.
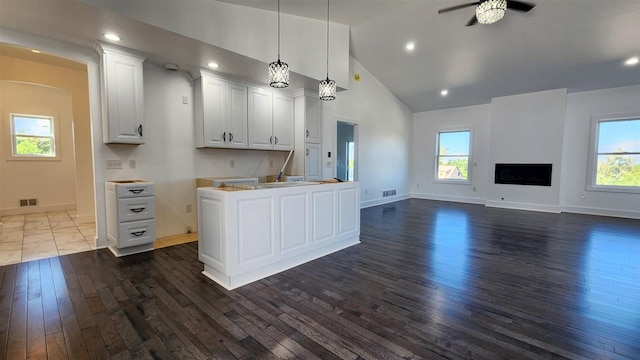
42 235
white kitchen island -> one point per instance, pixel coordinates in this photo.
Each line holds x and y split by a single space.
247 235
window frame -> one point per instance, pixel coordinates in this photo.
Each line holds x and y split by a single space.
593 155
468 180
55 137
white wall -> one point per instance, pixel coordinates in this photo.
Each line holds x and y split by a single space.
248 31
502 135
426 126
527 128
580 108
384 127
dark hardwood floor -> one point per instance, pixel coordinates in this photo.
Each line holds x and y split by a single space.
431 280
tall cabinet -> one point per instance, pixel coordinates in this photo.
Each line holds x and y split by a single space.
308 154
122 95
220 113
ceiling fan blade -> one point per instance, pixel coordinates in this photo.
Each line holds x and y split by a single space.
473 21
519 5
457 7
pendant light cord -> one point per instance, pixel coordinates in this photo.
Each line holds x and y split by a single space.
327 38
278 30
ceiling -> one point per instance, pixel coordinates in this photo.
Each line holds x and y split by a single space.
575 44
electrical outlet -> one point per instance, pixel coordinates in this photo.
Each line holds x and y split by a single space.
270 163
474 188
185 100
189 208
232 164
132 164
114 164
329 163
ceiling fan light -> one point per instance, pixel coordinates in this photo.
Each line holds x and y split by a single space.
491 11
327 89
278 74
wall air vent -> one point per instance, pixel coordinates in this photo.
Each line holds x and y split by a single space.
388 193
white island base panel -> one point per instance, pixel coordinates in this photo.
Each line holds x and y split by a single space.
232 282
248 235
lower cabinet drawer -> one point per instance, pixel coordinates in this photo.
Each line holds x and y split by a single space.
140 208
136 233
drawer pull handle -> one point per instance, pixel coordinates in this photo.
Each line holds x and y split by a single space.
138 233
137 210
136 191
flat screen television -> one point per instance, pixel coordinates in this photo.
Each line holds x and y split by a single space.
523 174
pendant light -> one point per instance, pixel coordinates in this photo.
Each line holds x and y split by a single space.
327 87
278 70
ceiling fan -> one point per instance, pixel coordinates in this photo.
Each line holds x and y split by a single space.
490 11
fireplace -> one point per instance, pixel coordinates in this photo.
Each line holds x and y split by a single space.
523 174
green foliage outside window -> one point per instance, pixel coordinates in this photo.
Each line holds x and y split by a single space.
33 146
618 170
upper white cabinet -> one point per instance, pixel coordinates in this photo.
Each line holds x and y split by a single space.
270 120
220 113
122 95
282 122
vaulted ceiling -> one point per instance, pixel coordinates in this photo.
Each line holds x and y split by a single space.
574 44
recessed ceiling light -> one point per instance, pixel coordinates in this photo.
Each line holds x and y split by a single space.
112 37
410 46
444 92
35 51
632 61
213 65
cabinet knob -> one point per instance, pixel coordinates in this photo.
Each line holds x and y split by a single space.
276 140
137 210
224 137
270 139
140 129
307 133
138 233
230 137
136 191
307 152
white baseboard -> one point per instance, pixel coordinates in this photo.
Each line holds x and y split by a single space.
36 209
460 199
602 212
381 201
523 206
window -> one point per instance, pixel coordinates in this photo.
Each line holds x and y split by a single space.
453 156
33 136
615 160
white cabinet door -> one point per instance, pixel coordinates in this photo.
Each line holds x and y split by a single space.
236 115
313 120
260 119
123 100
213 112
313 170
283 127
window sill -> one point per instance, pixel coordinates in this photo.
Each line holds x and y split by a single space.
614 189
456 182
